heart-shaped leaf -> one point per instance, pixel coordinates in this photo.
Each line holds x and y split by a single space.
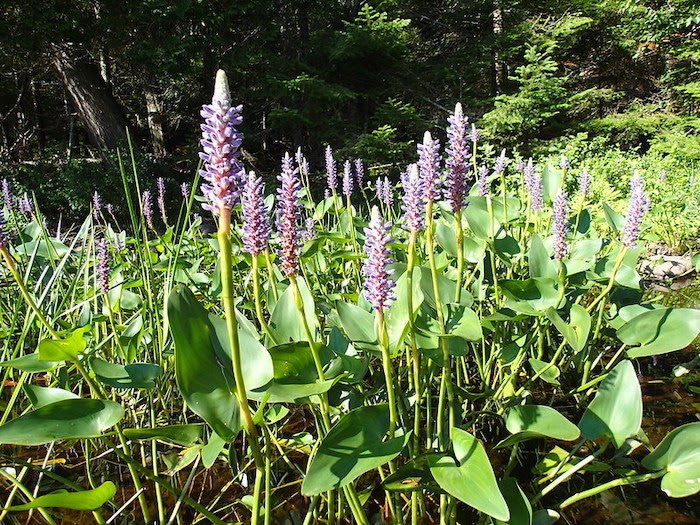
135 375
65 349
679 454
660 331
537 421
41 395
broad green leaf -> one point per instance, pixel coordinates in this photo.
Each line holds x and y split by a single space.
31 363
358 325
52 249
398 316
84 500
506 248
66 349
210 452
285 322
185 435
470 479
531 296
660 331
135 375
626 276
446 237
551 373
545 517
583 255
205 384
615 220
355 445
577 330
552 182
67 419
541 265
679 454
616 410
413 475
518 504
40 396
536 421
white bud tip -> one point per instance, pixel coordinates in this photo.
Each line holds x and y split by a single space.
222 93
458 108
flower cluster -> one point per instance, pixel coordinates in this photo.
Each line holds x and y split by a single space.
160 185
384 193
7 194
256 226
147 208
185 190
359 172
378 286
4 238
288 217
347 178
584 182
429 166
331 170
103 265
414 199
458 157
501 163
560 226
639 204
26 207
220 142
483 181
533 184
96 205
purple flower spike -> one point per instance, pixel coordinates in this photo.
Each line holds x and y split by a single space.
474 135
103 265
7 194
256 225
584 183
384 192
147 208
639 204
96 205
564 163
160 184
536 193
521 166
309 229
413 199
483 181
347 178
458 156
288 217
560 226
501 163
185 190
331 170
378 287
429 166
529 174
359 172
26 207
220 142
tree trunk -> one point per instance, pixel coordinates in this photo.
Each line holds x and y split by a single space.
154 108
498 64
100 113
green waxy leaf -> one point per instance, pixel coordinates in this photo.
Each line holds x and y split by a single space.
135 375
470 479
679 454
31 363
82 500
577 330
535 421
285 322
531 296
66 419
660 331
616 410
355 445
518 504
66 349
541 265
41 396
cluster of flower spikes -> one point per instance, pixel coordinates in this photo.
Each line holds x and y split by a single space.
639 204
288 216
378 285
414 201
256 224
220 142
384 192
458 157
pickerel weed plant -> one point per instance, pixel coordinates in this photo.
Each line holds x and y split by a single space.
460 355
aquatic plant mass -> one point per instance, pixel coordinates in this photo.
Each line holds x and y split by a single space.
457 346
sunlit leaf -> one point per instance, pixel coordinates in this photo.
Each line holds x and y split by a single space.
83 500
679 454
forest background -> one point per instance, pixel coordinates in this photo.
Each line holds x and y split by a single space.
613 82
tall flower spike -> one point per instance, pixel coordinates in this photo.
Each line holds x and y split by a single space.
359 172
256 225
347 178
96 205
483 181
387 195
26 206
7 194
160 184
288 217
564 163
331 170
536 193
639 204
501 163
474 135
378 287
147 208
413 199
457 159
185 190
584 183
103 265
220 142
429 166
560 225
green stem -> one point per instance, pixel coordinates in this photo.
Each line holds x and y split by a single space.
639 478
611 282
258 303
460 256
